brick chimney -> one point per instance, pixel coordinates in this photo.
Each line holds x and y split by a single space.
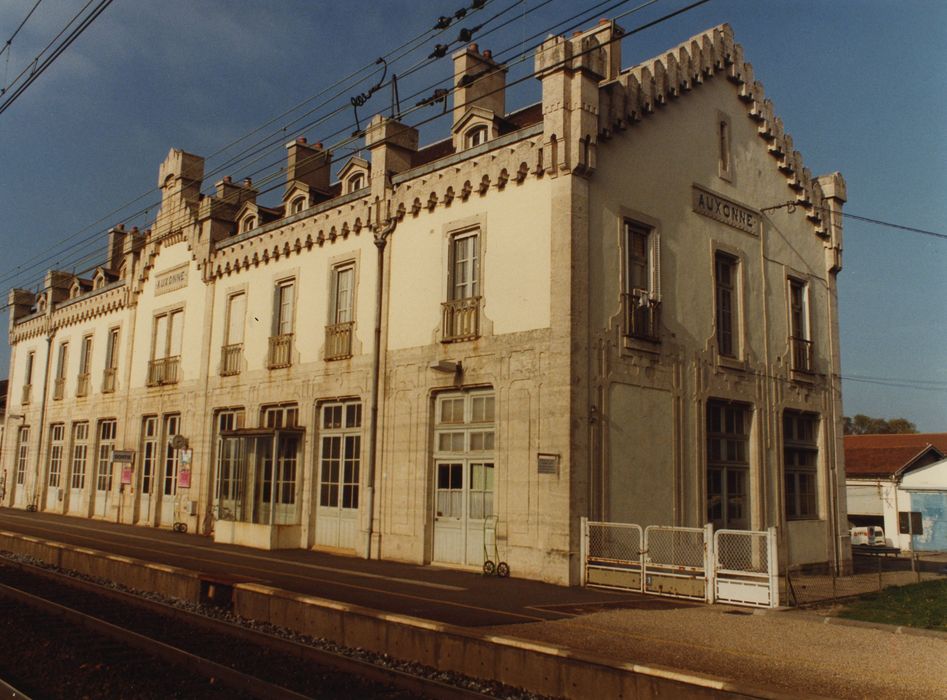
479 81
307 163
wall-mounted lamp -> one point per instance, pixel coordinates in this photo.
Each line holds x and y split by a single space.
448 367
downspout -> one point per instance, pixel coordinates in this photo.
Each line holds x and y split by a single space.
42 418
381 242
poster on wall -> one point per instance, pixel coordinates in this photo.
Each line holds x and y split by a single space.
184 479
126 473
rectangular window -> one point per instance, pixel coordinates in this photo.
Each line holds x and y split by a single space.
166 348
22 452
149 451
639 297
284 300
341 314
111 362
461 311
276 482
57 436
724 165
340 458
172 456
231 465
80 450
232 351
726 268
85 365
800 464
103 478
464 443
799 332
28 380
59 387
728 464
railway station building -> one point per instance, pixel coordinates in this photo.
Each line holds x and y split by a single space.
619 304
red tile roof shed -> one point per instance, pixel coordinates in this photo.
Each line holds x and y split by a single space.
885 455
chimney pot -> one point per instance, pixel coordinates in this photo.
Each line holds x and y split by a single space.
301 139
227 179
487 53
248 182
318 144
473 47
602 21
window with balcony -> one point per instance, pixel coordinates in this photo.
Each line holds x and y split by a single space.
28 380
111 362
59 383
727 308
799 332
728 464
85 365
461 312
800 464
166 348
231 354
341 316
640 304
281 341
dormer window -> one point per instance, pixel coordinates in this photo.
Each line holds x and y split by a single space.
249 223
297 205
356 182
475 136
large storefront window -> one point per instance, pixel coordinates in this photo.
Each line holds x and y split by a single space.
257 467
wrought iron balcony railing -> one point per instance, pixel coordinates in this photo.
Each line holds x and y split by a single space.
108 380
82 384
642 315
801 355
59 388
461 320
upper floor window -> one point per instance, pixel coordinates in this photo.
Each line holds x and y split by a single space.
341 316
726 290
724 161
462 310
799 331
475 136
640 295
60 384
249 223
85 366
280 350
297 205
800 464
356 182
232 352
28 379
728 464
111 361
166 348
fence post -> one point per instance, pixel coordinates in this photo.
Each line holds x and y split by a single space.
710 562
583 548
772 567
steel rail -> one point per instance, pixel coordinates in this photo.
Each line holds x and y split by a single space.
338 662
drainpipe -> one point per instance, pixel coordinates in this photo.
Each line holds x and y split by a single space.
42 420
381 241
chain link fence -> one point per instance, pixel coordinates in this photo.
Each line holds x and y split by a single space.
675 546
742 551
613 542
871 573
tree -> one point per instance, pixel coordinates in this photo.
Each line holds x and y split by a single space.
866 425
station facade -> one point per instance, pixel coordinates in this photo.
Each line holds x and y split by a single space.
619 304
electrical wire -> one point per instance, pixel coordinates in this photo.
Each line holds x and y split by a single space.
6 45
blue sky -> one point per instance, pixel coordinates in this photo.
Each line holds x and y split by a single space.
859 86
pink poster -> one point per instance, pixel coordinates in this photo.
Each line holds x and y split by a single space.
127 474
184 479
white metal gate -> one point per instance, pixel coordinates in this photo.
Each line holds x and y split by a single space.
745 568
729 566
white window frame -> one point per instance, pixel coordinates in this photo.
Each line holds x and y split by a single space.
476 135
80 454
169 344
470 285
340 454
105 446
22 453
284 321
57 439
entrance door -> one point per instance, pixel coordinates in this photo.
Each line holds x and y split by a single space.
103 472
339 475
464 481
169 474
146 472
80 454
57 435
22 452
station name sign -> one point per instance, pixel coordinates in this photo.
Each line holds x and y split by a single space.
725 211
175 278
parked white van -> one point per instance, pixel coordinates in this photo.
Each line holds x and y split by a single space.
872 535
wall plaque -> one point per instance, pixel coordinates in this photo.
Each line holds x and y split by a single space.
726 211
175 278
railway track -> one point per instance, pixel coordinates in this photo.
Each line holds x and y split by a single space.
132 638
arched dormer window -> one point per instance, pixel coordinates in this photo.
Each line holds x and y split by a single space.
475 136
249 223
297 205
356 182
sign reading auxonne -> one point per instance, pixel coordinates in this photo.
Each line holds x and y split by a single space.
727 212
175 278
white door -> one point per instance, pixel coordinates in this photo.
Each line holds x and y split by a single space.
340 457
167 513
103 468
57 434
77 470
146 470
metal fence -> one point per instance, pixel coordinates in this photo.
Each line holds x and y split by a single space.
746 571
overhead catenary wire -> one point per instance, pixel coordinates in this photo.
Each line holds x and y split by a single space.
70 263
9 42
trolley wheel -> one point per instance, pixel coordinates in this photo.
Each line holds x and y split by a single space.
489 568
180 527
503 569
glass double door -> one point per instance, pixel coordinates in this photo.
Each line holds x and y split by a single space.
463 507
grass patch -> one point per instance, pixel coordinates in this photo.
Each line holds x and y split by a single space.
922 605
